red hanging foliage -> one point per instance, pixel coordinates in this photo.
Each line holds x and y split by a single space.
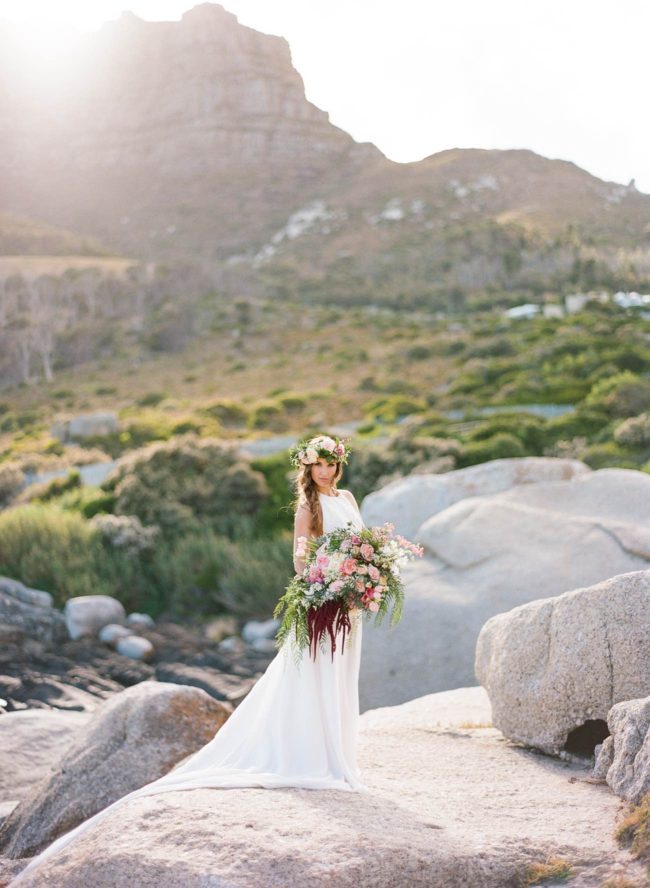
329 618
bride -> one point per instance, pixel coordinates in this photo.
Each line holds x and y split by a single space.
298 726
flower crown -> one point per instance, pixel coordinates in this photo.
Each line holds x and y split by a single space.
307 451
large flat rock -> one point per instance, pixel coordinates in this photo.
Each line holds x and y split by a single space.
451 803
408 502
487 554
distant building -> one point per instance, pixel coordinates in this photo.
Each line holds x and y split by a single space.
527 310
576 301
631 300
553 310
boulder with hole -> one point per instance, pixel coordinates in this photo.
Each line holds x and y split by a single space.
554 668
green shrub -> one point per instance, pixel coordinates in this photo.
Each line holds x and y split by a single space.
501 446
48 490
580 422
634 431
181 483
188 577
600 456
275 514
202 574
51 549
267 415
12 479
151 399
389 409
530 430
230 414
293 403
622 395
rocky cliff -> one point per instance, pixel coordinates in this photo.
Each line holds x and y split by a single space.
153 129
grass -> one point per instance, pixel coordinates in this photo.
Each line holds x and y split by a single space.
554 868
634 830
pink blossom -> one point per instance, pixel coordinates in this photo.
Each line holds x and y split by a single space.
362 569
373 606
373 572
348 567
355 539
345 545
337 585
360 586
367 551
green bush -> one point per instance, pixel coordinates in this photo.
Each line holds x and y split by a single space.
51 549
182 483
625 394
501 446
580 422
48 490
151 399
189 577
231 414
528 429
267 415
293 403
12 479
389 409
634 431
600 456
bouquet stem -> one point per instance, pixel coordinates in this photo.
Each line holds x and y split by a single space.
328 618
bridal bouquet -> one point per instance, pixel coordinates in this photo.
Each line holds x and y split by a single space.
345 569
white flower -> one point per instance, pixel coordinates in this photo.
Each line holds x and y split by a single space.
311 455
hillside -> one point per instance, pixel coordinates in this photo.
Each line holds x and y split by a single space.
194 140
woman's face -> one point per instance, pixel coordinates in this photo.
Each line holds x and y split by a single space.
322 472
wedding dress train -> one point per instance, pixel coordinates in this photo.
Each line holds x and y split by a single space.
298 726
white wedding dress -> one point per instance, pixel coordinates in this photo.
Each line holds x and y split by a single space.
298 725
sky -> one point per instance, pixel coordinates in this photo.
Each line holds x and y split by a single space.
566 78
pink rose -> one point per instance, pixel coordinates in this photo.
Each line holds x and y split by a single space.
373 606
360 586
373 572
348 567
362 569
367 551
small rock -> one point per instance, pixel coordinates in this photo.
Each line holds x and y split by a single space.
134 646
232 645
87 614
255 629
265 645
111 632
219 628
141 621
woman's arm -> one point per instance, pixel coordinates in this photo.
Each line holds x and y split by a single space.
301 527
